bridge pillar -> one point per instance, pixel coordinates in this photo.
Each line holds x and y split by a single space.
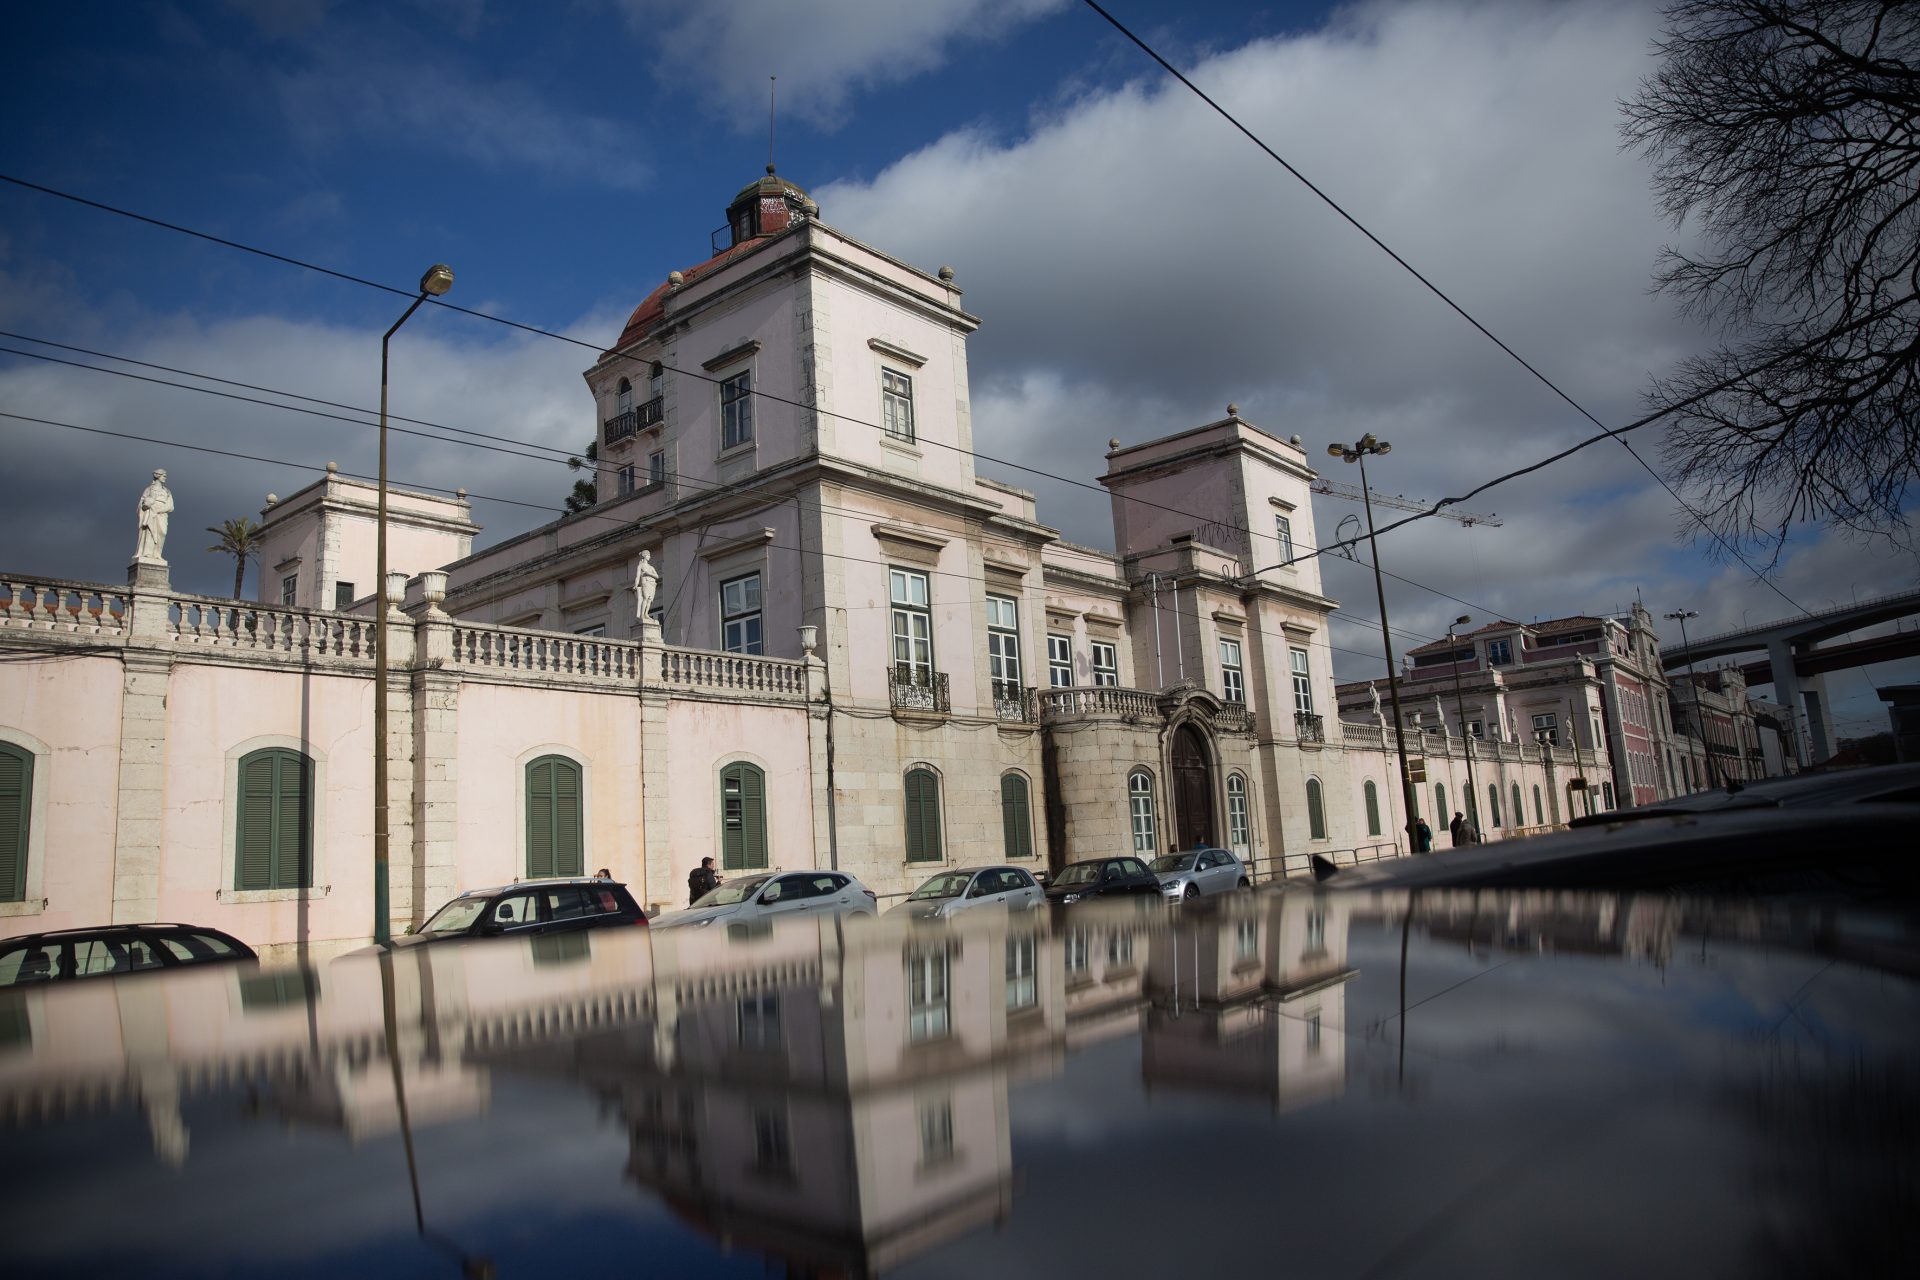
1807 707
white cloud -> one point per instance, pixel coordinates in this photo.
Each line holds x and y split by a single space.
821 51
1138 264
348 94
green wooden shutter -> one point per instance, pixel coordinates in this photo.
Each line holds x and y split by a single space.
1519 813
253 857
1316 811
569 857
753 817
540 818
293 827
16 803
1016 816
1373 809
923 816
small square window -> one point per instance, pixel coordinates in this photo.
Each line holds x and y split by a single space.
289 589
626 480
736 410
656 468
896 404
1106 663
343 596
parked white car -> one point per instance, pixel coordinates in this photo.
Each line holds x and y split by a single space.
951 892
772 895
1197 873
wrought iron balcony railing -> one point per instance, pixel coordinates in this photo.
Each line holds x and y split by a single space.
622 425
917 689
1309 727
650 413
1011 702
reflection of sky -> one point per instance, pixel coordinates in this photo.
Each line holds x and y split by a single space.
535 1182
1559 1114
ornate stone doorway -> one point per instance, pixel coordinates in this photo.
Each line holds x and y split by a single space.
1192 789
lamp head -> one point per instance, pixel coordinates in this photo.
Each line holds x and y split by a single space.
1336 450
438 280
1382 449
1463 620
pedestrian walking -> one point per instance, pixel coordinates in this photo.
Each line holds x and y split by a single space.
1422 836
1459 830
701 881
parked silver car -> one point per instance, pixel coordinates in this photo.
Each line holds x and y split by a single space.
951 892
1198 873
774 894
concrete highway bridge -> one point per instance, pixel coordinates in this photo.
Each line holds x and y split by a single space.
1794 662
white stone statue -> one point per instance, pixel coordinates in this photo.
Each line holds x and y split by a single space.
646 586
156 504
1374 694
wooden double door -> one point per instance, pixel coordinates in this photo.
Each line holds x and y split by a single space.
1192 789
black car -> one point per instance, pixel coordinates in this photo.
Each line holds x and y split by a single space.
1103 878
111 949
530 907
1852 853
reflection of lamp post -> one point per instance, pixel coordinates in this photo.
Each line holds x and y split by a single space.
438 280
1357 452
1460 703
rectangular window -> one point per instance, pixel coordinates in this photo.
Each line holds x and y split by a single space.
1060 661
1232 683
912 627
656 468
759 1021
1547 727
740 615
1079 951
1119 950
1302 682
1313 1032
289 588
1003 645
772 1152
1246 941
936 1131
1499 653
1106 663
736 409
896 404
927 1011
626 480
1021 991
1284 528
1477 729
343 595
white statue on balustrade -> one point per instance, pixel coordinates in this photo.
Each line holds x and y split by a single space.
1374 695
646 588
156 505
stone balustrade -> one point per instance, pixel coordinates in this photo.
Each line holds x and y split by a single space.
704 671
230 625
1365 737
1096 700
50 606
482 647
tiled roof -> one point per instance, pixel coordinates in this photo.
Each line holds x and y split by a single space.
1574 623
654 305
1441 645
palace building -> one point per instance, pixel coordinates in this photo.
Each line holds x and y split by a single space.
797 628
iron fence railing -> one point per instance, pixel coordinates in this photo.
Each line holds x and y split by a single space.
917 689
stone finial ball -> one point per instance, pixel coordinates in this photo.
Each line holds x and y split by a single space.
946 273
1233 410
333 468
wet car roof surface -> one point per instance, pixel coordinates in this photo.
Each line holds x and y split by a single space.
1562 1084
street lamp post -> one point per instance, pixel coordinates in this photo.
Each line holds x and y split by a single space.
437 280
1693 686
1460 705
1357 452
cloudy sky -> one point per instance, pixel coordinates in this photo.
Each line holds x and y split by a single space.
1137 262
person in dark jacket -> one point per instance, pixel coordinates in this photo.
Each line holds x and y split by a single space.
1422 836
1459 830
701 881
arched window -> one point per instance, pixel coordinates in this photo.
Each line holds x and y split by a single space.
1539 814
1239 830
1146 839
743 817
16 816
1373 808
1316 811
1493 802
274 826
553 818
623 398
1440 814
1016 815
1518 813
923 815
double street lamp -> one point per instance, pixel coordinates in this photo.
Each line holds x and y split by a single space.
438 280
1357 452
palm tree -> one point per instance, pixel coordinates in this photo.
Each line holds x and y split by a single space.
241 540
